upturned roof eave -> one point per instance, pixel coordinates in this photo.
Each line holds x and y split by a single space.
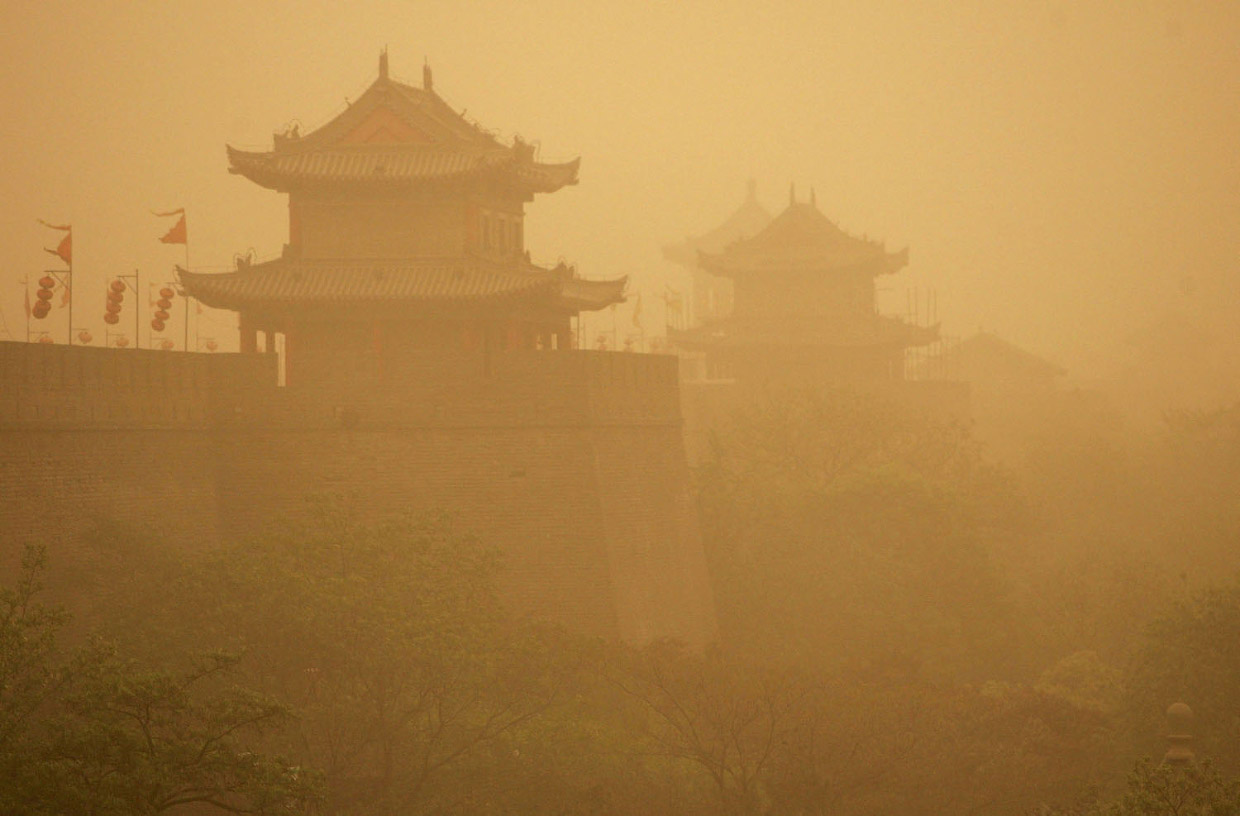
228 290
536 177
584 295
729 264
727 334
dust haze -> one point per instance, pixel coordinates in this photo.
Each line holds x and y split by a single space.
582 408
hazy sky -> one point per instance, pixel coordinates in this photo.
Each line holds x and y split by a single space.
1063 171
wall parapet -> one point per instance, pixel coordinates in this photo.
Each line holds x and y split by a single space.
56 386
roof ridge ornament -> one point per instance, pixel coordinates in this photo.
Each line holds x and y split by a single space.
383 63
813 199
792 193
428 83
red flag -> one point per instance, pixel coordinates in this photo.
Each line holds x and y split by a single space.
64 250
66 296
178 234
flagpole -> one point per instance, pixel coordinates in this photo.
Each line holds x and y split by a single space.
185 295
71 284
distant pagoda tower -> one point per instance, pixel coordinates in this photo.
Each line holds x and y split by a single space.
712 296
805 308
406 232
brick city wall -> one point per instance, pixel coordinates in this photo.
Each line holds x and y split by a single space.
572 463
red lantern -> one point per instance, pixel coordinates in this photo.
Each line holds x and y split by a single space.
111 319
47 338
166 293
164 304
157 324
212 345
84 337
122 341
117 286
116 297
166 344
112 307
161 315
44 294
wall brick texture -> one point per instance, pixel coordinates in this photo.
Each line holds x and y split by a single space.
571 463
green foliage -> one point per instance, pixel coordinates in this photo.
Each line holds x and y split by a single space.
905 629
390 642
93 733
859 535
1175 790
1190 653
30 678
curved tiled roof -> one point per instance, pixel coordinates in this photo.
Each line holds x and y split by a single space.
749 219
584 295
802 237
396 281
875 330
279 170
438 144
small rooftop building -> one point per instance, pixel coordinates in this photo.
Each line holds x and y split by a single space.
406 230
988 361
805 306
712 295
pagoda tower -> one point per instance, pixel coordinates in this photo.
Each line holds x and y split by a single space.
712 296
427 370
406 233
804 310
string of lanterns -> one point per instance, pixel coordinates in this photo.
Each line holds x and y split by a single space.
112 308
43 304
160 321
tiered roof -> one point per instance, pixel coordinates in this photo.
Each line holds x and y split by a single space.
843 331
986 356
748 220
802 240
801 237
398 135
468 279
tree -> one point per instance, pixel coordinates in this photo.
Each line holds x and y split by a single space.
94 733
391 643
843 531
1190 653
30 678
1178 790
1164 789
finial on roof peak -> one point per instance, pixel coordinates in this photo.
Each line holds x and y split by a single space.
792 193
752 189
813 198
1179 735
428 82
383 63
